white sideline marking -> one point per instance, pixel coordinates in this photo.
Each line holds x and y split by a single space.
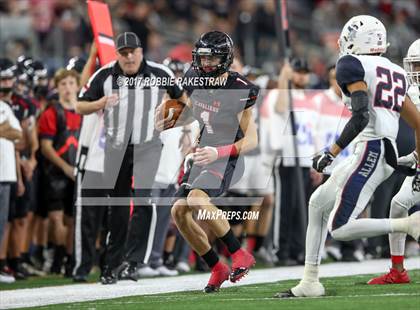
88 292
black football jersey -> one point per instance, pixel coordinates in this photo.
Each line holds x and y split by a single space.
217 108
22 107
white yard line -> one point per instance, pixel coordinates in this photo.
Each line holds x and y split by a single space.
215 298
87 292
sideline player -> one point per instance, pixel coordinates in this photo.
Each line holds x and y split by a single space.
227 130
405 199
336 205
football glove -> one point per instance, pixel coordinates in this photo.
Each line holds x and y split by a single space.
416 180
320 162
409 160
188 162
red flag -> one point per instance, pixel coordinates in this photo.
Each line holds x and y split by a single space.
100 20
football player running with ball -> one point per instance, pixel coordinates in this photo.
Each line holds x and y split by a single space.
375 88
406 198
223 108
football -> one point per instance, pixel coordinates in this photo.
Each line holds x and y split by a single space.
172 108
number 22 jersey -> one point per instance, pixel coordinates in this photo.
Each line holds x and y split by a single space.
387 87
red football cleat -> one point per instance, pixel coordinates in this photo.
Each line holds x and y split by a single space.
219 274
242 261
392 277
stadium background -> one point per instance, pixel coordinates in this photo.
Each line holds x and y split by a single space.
56 30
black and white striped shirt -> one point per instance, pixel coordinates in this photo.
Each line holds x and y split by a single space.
133 116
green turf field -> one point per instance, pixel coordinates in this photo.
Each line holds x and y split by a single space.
343 293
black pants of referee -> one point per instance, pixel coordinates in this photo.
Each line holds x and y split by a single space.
142 226
292 230
125 235
88 219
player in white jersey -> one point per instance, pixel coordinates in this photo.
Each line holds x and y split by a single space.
406 197
376 88
332 117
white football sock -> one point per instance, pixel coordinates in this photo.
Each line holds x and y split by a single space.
397 240
310 273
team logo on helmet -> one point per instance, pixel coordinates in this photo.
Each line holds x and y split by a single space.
361 35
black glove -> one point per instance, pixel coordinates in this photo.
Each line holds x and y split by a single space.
319 162
416 181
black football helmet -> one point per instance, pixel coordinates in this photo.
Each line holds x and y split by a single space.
39 70
7 71
7 68
77 64
213 43
23 84
40 79
24 75
23 64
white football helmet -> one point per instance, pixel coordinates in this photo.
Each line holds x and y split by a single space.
412 63
363 34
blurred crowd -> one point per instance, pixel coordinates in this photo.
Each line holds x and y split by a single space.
56 30
55 37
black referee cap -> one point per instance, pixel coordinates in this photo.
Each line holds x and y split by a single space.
128 39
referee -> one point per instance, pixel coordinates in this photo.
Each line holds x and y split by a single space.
131 148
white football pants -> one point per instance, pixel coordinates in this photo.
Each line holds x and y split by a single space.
336 204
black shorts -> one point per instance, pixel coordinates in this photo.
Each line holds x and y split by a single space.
64 203
41 208
213 179
40 193
33 194
233 207
19 206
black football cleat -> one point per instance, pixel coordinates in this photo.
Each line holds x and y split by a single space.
238 274
211 289
129 273
80 279
286 294
304 289
108 277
